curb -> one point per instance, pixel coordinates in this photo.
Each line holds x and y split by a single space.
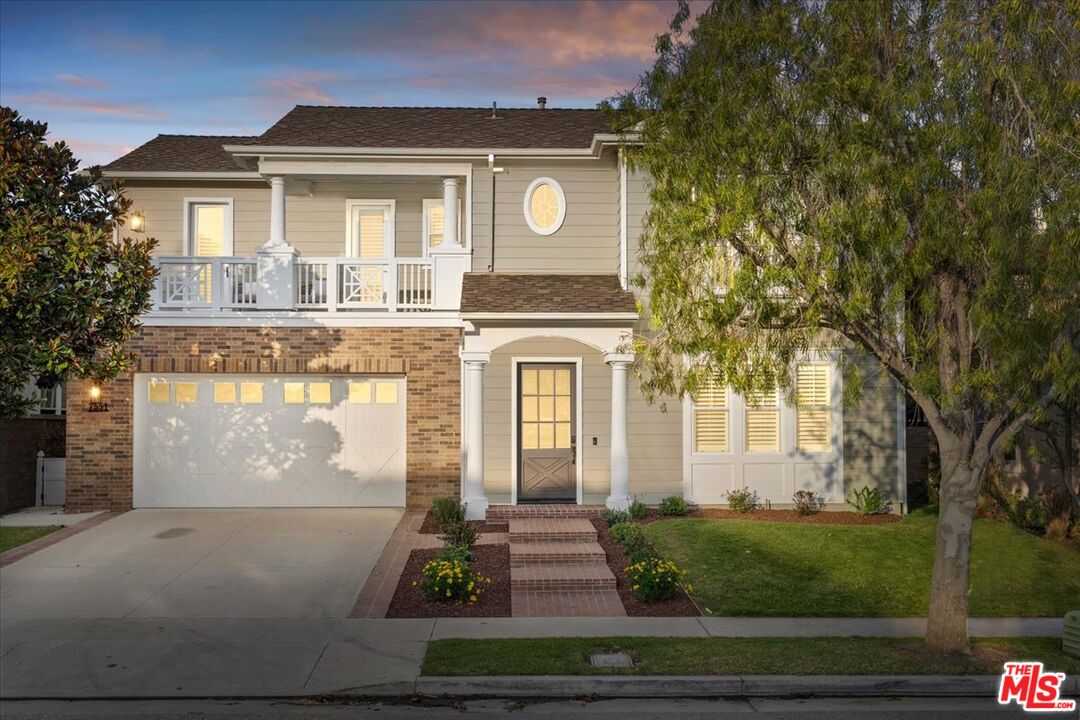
730 686
20 551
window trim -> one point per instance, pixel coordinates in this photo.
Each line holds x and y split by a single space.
560 218
389 208
426 205
189 225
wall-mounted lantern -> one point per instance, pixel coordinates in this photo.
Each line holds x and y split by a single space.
137 222
96 403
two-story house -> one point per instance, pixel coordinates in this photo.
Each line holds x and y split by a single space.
377 306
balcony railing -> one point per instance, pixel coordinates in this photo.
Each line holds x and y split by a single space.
326 284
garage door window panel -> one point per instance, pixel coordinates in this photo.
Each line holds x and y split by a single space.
319 393
158 392
251 393
187 393
225 393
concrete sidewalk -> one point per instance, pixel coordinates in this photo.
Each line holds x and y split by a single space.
289 657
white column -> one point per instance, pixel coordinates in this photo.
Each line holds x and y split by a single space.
475 501
450 213
277 213
619 499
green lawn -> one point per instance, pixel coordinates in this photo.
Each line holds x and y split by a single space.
14 536
736 656
786 569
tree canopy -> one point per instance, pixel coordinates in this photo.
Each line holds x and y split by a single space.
70 294
901 173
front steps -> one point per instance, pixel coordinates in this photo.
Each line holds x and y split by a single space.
557 567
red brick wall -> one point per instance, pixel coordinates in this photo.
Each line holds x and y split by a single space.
99 445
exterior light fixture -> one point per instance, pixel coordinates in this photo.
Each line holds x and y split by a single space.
137 223
96 403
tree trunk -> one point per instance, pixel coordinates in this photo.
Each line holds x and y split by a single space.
946 628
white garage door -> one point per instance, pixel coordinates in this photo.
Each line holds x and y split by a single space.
269 441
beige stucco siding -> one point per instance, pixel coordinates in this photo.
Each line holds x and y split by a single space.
588 234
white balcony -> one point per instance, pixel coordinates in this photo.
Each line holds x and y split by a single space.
215 285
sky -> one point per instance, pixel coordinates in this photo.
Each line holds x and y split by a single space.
108 76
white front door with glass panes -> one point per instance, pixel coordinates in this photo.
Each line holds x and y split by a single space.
269 441
209 234
765 442
371 242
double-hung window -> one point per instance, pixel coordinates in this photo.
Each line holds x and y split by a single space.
434 224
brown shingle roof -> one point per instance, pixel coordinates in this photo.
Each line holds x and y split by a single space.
530 293
403 127
182 153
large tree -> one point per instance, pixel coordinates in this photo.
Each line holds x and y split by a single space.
901 174
70 293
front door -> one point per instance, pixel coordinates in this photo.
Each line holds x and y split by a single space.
547 432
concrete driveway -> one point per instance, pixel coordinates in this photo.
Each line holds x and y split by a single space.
281 563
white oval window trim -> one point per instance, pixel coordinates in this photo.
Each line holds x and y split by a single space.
527 206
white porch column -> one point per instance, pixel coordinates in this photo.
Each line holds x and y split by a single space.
619 499
277 213
450 213
276 259
475 501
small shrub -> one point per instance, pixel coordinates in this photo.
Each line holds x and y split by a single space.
637 509
633 541
614 517
455 553
447 511
869 501
654 579
674 506
451 581
743 500
461 537
806 502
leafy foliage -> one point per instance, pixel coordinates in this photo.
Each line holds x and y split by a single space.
633 541
614 517
70 295
869 501
447 511
459 538
742 500
637 509
654 579
452 581
807 502
674 506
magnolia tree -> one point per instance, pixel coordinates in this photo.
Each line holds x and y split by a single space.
899 174
70 293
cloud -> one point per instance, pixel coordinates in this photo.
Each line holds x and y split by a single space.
299 87
81 81
57 101
91 152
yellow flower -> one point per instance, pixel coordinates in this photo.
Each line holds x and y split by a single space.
472 598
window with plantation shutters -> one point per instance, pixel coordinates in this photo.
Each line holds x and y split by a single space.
763 421
813 408
711 419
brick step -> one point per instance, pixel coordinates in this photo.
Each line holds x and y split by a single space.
509 512
556 553
590 603
565 578
549 530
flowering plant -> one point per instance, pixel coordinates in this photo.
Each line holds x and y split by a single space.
655 579
451 581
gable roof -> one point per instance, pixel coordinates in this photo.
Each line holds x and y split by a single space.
420 127
498 292
182 153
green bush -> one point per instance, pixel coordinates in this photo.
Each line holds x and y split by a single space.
633 541
806 502
655 579
459 539
456 553
447 511
743 500
614 517
637 509
451 581
673 505
869 501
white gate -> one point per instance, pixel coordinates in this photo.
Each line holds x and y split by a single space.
50 480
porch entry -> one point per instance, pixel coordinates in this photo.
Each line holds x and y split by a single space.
547 432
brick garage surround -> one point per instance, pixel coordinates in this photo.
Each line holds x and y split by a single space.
99 445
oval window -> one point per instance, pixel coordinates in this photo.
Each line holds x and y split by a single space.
545 206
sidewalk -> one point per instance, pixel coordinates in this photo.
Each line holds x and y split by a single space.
280 657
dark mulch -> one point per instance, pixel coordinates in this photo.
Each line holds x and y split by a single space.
790 516
430 527
490 561
679 606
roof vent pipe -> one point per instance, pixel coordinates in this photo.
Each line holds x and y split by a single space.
494 110
542 102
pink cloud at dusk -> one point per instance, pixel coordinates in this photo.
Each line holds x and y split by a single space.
299 87
81 81
56 101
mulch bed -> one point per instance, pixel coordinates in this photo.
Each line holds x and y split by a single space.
430 527
491 561
679 606
789 516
